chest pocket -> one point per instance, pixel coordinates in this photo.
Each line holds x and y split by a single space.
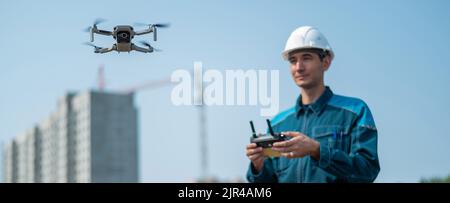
334 136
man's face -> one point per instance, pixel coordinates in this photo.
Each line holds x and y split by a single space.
307 69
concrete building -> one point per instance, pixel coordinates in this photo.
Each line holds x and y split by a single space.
91 137
10 162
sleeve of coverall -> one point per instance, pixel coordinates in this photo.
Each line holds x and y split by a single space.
266 175
362 164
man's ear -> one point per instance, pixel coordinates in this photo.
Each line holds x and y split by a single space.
326 62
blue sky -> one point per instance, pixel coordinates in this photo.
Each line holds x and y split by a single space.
389 53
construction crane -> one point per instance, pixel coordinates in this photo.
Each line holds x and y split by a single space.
198 101
101 78
154 84
148 85
198 85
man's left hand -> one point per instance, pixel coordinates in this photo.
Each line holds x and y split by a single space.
299 146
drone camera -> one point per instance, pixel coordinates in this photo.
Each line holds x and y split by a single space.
123 37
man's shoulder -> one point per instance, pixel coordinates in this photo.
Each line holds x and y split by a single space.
355 105
283 115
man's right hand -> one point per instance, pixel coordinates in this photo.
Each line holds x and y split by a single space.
255 154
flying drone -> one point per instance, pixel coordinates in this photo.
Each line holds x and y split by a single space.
123 34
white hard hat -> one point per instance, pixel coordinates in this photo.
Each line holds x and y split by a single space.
306 37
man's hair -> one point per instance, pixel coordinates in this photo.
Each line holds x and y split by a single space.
320 52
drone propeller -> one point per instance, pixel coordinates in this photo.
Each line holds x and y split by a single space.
94 25
98 21
161 25
89 44
165 25
154 26
150 46
88 29
92 45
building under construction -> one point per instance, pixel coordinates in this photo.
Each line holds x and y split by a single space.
91 137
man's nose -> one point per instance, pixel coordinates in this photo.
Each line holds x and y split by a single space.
298 66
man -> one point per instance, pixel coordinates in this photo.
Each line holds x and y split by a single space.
332 138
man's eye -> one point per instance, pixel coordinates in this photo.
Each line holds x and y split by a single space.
292 61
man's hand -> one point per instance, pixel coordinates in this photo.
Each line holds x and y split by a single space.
299 146
255 154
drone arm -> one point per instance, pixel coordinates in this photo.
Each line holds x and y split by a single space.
102 32
141 49
143 32
105 50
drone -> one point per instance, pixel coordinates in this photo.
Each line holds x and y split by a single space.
123 34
